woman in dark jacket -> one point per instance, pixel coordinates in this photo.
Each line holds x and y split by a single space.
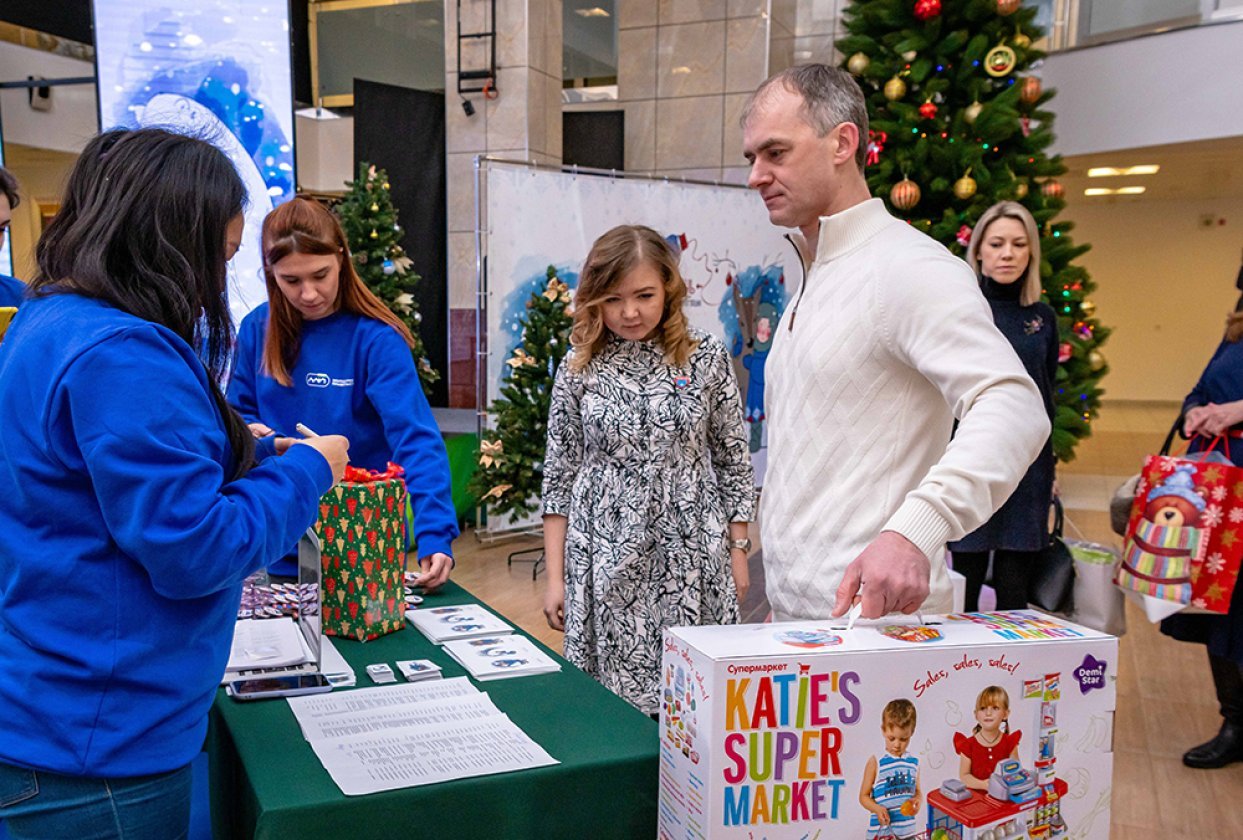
1215 407
1005 253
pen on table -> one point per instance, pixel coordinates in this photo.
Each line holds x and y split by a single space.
304 430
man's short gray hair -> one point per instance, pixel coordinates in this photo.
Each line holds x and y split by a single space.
831 96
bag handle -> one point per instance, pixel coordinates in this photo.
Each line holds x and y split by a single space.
1176 429
1059 519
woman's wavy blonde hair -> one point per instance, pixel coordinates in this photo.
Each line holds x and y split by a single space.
612 257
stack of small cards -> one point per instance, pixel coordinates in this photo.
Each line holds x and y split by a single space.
468 621
499 657
416 670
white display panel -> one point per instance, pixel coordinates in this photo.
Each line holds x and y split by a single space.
217 69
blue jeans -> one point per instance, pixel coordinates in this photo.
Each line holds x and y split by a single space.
38 805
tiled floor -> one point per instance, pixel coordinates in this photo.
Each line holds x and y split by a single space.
1165 695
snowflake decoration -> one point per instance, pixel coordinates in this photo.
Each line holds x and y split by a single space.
1212 516
1215 563
1219 493
1235 515
1141 486
1200 603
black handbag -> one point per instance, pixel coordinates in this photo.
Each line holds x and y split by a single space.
1052 584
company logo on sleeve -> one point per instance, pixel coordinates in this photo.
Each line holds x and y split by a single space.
323 380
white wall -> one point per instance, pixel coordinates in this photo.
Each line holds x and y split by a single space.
73 119
1165 284
1149 91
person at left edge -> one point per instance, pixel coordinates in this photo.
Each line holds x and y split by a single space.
325 351
132 509
12 290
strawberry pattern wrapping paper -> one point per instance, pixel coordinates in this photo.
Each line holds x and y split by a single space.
362 534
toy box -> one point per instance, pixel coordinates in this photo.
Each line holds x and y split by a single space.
808 731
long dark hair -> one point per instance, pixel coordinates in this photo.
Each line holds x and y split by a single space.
142 228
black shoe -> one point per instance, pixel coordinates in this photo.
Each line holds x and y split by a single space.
1225 749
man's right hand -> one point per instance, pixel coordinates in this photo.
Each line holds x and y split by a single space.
896 574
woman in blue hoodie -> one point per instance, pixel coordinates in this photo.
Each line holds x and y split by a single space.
326 352
133 509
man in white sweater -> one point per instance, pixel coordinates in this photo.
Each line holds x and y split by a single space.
886 342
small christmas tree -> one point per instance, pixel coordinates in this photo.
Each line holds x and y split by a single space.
511 455
957 124
370 221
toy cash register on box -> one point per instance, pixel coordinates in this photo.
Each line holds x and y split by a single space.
974 726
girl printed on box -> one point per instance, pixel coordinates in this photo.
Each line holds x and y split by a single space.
325 351
990 742
648 486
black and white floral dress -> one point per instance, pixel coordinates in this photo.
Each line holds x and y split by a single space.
649 463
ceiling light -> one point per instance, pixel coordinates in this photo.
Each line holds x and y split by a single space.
1111 171
1118 191
679 71
594 11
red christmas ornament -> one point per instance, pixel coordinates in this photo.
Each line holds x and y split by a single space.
1029 90
1025 124
928 110
927 9
1008 7
1063 352
1052 189
876 145
964 236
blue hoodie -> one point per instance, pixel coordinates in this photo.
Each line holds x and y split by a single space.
354 376
122 547
12 291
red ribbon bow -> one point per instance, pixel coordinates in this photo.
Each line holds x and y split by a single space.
358 475
876 145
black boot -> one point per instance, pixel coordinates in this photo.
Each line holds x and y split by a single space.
1227 747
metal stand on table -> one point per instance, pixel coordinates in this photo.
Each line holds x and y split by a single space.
534 556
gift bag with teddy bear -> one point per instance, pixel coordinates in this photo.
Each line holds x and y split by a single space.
1184 539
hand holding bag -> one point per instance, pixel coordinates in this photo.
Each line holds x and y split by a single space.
1052 583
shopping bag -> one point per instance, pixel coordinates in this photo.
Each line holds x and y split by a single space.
1097 602
362 533
1184 538
1052 581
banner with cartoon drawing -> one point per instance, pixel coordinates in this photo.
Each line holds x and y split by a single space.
214 69
737 267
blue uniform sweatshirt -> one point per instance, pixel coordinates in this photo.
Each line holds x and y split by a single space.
122 549
12 291
354 376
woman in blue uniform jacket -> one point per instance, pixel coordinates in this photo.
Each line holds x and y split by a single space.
326 352
132 509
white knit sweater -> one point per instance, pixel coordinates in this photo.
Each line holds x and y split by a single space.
886 343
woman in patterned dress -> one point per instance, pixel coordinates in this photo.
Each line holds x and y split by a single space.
648 486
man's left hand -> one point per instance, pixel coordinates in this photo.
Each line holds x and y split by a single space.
436 568
892 574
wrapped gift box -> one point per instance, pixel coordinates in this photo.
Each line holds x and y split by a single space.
767 729
362 534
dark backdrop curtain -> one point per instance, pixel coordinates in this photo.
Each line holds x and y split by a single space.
402 131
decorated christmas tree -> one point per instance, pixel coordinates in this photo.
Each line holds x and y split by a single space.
370 221
511 454
958 123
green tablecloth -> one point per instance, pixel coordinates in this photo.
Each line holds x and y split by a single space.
266 782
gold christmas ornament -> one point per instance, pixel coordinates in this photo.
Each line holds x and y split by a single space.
999 61
1052 189
1088 308
520 358
904 195
1029 89
895 89
385 185
490 452
1021 41
1096 360
375 208
857 63
909 55
971 112
1020 189
497 491
555 289
965 186
374 235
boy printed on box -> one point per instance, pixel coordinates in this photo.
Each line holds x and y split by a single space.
990 742
891 783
